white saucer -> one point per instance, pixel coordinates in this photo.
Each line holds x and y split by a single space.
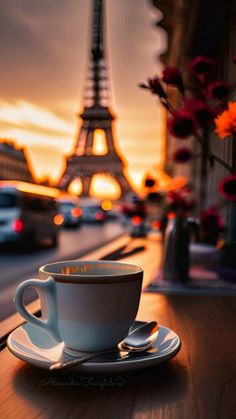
35 346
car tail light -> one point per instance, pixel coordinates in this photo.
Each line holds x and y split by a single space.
136 220
58 219
171 215
106 205
99 216
76 212
18 226
156 224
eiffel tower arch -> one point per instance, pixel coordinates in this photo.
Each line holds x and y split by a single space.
96 115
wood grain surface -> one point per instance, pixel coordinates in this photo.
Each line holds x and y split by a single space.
200 382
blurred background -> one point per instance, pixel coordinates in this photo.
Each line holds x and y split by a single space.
86 155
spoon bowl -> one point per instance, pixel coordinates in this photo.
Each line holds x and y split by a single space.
141 339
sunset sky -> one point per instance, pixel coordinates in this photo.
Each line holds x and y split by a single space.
44 54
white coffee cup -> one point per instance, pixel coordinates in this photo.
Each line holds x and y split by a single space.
91 305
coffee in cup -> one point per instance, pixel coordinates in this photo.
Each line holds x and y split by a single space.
91 305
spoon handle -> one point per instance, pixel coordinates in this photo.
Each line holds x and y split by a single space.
125 346
78 361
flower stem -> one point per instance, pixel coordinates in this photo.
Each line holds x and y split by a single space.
199 139
167 104
204 168
188 87
222 162
232 87
234 153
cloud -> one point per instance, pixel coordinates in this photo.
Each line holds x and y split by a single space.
27 114
28 123
46 137
43 55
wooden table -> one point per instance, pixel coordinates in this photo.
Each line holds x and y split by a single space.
200 382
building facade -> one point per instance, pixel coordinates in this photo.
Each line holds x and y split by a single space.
200 28
13 163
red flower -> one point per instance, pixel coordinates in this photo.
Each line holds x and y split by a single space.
175 200
234 59
156 88
188 188
171 75
218 90
216 110
181 124
211 218
179 201
189 204
200 66
199 109
182 155
227 187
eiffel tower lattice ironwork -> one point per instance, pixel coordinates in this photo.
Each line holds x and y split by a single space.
96 115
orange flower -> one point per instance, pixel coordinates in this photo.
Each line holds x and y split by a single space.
226 122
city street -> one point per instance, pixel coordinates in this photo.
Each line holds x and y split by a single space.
18 266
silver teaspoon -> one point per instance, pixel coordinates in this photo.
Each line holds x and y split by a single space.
139 340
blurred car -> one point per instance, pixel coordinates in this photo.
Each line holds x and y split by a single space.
137 226
71 212
92 211
134 211
112 210
28 213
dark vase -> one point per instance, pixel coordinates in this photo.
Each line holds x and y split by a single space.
176 251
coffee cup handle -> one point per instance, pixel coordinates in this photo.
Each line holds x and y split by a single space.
48 289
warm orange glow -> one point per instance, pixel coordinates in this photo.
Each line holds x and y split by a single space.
75 187
45 164
156 224
58 219
104 186
46 123
226 122
31 188
65 196
45 137
178 182
171 215
76 212
49 139
31 116
99 143
136 220
165 182
106 205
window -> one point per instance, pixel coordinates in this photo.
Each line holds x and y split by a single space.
7 200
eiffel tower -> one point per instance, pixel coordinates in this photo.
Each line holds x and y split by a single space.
96 115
